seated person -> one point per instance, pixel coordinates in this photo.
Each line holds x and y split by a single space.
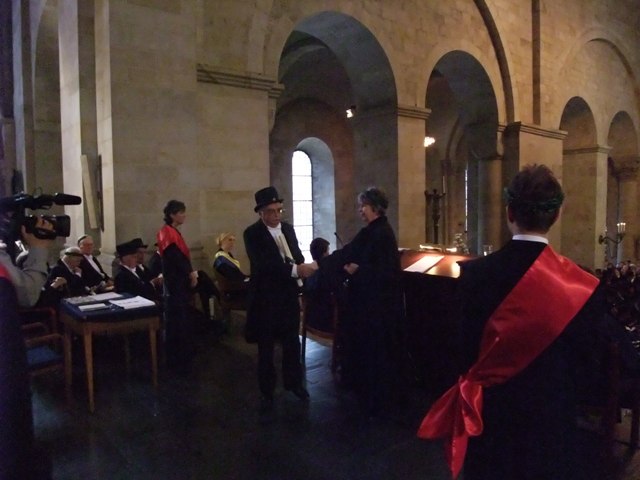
143 271
319 305
128 279
155 264
92 272
226 264
65 279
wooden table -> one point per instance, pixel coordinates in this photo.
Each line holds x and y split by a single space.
106 322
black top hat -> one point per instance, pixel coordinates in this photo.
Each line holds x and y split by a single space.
266 196
138 243
127 248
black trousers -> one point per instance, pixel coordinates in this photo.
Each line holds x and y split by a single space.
291 366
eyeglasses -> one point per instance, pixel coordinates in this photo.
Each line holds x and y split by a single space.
272 211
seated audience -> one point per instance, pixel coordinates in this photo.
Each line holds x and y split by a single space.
129 278
143 271
226 264
65 279
92 272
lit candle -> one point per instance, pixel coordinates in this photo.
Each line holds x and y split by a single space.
444 185
621 227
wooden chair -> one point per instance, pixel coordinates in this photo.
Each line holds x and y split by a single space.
334 335
231 298
46 353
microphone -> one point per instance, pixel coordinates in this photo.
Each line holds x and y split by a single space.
340 243
66 199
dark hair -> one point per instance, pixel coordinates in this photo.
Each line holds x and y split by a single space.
376 198
173 207
535 197
318 247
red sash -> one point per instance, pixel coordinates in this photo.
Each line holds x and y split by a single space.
4 273
168 235
528 320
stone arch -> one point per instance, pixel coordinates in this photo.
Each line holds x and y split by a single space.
622 182
593 37
584 205
464 121
332 59
502 57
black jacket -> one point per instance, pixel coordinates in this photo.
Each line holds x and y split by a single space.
529 419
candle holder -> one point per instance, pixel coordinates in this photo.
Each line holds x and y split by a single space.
622 230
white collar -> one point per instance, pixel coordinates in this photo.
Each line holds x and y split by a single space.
531 238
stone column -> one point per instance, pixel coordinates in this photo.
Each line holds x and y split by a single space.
77 104
626 170
584 212
528 144
23 92
411 177
7 155
491 218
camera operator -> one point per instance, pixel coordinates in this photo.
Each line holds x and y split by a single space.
19 287
29 279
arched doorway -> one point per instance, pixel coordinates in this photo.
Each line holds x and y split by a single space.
329 63
463 162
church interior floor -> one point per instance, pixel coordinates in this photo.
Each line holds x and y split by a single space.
206 425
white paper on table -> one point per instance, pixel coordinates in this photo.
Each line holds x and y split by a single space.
106 296
424 264
92 306
133 302
101 297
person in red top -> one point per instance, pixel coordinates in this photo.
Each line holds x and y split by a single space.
179 280
530 323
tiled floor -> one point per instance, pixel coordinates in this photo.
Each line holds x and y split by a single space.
206 425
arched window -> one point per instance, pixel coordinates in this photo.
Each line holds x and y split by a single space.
302 200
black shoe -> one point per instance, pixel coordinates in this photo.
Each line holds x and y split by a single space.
300 392
266 404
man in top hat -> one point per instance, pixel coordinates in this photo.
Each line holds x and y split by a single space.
130 279
273 311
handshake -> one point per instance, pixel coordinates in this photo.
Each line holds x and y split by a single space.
305 270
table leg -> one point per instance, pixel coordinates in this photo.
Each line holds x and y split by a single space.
68 377
153 333
88 357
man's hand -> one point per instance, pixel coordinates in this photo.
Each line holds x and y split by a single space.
351 268
33 241
305 270
59 282
193 279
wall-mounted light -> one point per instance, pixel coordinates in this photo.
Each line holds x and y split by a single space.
428 141
351 111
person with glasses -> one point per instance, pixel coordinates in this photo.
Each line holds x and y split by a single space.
371 315
273 309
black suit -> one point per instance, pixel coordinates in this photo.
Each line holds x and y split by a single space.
74 287
529 421
128 282
90 275
273 310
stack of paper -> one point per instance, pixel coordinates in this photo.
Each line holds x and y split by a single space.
133 302
92 306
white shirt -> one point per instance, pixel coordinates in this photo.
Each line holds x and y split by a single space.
275 233
531 238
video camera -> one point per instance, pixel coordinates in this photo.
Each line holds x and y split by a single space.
18 203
